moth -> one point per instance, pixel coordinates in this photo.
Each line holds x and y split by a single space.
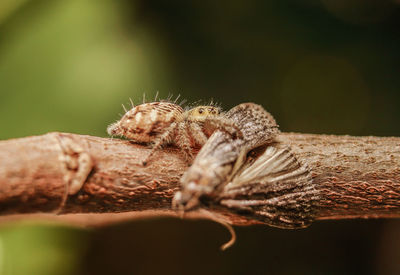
253 177
165 122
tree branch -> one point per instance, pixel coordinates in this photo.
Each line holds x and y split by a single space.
359 177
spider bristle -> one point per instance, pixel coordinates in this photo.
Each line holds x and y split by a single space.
131 101
182 102
214 103
176 99
170 99
155 98
193 104
205 103
123 106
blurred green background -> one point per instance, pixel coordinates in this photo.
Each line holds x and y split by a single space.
327 66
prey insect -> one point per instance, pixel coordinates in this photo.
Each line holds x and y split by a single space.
272 188
164 122
216 160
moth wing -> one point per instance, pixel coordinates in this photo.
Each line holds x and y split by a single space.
274 189
273 166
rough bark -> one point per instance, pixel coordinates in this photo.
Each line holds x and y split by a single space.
359 177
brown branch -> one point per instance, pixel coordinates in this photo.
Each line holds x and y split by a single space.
359 177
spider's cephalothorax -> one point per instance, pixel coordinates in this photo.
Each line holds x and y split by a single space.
164 122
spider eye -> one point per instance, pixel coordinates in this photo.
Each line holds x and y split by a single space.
201 110
213 111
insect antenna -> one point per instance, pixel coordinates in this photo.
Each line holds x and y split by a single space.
216 219
132 105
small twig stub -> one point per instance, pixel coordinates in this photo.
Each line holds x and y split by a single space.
77 164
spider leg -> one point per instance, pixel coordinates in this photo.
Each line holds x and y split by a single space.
160 140
197 133
222 123
183 141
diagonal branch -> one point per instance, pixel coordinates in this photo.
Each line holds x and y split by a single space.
359 177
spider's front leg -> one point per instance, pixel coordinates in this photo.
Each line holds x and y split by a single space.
182 140
162 139
222 123
197 134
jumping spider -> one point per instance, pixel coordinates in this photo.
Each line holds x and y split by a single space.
163 122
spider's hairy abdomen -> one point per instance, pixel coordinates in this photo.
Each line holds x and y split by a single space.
144 122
